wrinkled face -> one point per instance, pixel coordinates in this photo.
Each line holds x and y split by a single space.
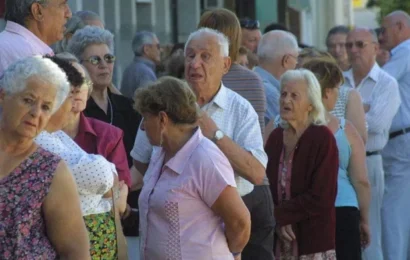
80 94
61 117
101 73
151 124
361 48
336 47
243 60
330 97
389 33
250 39
55 15
204 63
294 101
27 113
153 51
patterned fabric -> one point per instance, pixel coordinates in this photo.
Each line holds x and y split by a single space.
22 225
101 230
341 103
286 250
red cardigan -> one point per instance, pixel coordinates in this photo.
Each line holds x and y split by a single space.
313 187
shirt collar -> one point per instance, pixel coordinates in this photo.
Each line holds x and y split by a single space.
398 47
373 75
85 125
16 28
145 61
181 158
221 98
266 75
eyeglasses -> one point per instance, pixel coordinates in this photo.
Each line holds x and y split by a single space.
96 60
250 24
155 45
358 44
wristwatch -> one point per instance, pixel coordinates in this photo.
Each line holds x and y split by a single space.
218 136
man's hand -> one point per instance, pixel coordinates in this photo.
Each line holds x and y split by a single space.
286 233
207 125
364 234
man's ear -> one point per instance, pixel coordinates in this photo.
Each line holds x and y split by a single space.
227 64
37 11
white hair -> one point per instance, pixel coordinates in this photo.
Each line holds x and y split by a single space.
15 78
222 39
87 36
140 40
275 44
318 114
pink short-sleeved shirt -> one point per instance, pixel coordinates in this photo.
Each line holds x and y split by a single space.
176 219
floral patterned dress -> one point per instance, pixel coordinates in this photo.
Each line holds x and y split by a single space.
22 193
286 250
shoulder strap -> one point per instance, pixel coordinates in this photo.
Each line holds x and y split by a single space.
342 123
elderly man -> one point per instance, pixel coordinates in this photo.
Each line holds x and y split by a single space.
278 53
335 42
228 119
32 26
395 37
141 71
251 34
381 98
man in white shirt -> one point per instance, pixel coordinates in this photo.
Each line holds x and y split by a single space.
395 37
381 101
232 123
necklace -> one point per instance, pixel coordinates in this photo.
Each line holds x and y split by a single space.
111 111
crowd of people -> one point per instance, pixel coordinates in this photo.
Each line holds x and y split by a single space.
242 146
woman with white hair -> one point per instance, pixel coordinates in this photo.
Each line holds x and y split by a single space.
302 170
40 214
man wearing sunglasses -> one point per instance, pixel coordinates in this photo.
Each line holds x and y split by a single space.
250 33
141 71
381 99
395 37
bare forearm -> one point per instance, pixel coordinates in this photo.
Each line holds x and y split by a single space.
362 189
237 237
243 162
141 167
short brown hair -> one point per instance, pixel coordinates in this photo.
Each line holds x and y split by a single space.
327 72
307 54
226 22
243 51
170 95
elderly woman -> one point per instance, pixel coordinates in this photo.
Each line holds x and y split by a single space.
189 206
34 182
302 170
92 135
94 48
353 188
95 176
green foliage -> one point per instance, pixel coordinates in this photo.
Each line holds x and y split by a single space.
388 6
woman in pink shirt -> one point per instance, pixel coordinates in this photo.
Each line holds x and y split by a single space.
189 205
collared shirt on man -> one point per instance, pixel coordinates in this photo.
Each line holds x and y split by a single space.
139 73
381 92
234 116
272 93
17 42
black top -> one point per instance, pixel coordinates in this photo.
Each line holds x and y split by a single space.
124 117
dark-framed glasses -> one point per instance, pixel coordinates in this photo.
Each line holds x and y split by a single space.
250 24
96 60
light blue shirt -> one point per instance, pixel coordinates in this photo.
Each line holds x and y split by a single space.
272 93
399 67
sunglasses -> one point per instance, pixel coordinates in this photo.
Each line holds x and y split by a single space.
250 24
358 44
96 60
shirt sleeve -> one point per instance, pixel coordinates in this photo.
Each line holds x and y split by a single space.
383 107
142 149
119 158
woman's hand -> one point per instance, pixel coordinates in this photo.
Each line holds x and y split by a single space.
286 233
121 201
364 233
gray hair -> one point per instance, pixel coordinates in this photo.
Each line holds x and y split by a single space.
75 23
86 16
87 36
68 57
275 44
318 114
222 39
16 76
18 10
140 39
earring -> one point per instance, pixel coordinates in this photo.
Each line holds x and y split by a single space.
161 139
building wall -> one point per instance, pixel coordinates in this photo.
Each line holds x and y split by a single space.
266 12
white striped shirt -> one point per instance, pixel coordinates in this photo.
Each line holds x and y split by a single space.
381 91
234 116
